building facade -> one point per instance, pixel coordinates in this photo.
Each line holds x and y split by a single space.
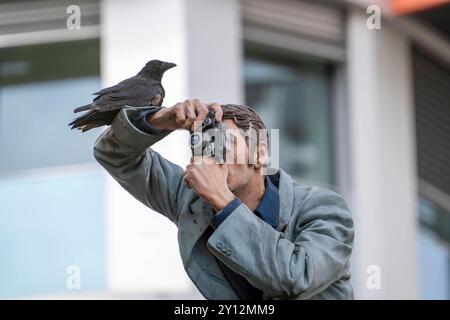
361 105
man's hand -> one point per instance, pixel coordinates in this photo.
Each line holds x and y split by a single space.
184 115
209 181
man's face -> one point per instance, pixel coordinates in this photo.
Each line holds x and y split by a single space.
239 172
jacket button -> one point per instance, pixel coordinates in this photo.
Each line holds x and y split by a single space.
219 244
228 252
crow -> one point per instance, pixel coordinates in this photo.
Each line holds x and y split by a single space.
144 89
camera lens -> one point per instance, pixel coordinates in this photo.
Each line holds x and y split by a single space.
210 149
207 122
195 139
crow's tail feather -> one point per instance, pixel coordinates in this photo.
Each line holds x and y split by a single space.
83 122
83 108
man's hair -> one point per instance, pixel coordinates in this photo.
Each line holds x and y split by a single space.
246 118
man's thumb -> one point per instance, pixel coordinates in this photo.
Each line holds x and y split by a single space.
224 170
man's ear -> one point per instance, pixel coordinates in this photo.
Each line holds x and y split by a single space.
262 155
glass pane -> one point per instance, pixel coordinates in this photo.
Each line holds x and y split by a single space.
434 264
40 87
33 124
25 64
53 216
47 223
434 250
294 98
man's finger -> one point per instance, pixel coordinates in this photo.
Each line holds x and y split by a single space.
217 110
188 183
187 178
190 110
180 117
197 160
224 167
189 115
202 112
208 160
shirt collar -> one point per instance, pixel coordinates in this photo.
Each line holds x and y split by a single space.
269 207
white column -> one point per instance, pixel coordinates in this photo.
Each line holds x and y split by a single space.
382 159
202 38
214 50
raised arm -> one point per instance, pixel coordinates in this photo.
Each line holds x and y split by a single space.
124 151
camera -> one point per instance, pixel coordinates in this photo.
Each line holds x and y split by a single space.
211 139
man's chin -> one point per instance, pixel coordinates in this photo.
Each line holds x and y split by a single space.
234 190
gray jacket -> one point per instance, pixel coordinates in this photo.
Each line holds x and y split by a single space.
306 257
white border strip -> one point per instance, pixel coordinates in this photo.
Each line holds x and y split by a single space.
49 36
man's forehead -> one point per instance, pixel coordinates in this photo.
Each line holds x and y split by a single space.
235 132
230 123
232 129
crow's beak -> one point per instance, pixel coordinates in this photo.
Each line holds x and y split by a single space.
169 65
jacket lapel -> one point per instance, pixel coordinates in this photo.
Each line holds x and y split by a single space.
199 263
286 199
191 225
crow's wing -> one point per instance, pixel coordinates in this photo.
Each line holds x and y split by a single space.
130 82
93 119
137 92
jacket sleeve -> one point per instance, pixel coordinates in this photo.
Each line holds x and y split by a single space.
286 269
123 150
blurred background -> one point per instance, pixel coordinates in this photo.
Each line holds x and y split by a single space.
362 110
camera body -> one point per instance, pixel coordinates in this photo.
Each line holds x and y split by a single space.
211 139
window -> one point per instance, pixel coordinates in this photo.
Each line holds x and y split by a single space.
293 95
434 250
39 87
51 217
432 115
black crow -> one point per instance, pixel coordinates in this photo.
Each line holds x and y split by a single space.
144 89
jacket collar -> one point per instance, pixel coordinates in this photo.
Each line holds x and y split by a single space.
286 197
268 208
